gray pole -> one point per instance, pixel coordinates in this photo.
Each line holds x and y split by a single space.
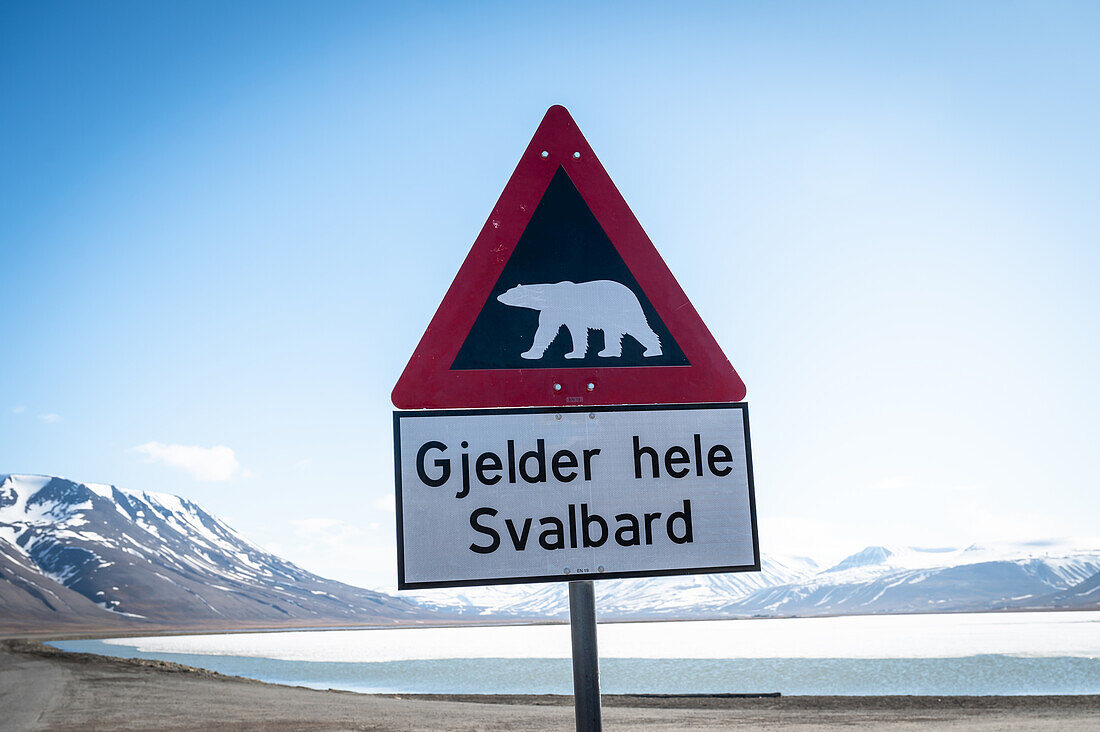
586 660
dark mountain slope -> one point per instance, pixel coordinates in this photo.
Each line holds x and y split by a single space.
73 554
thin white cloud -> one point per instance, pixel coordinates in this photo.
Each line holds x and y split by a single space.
50 418
364 555
203 463
18 409
313 528
329 534
823 541
386 503
894 484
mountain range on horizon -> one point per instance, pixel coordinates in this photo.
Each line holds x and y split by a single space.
1034 576
87 556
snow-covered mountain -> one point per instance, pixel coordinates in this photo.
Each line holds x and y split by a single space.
1040 575
650 597
906 580
84 554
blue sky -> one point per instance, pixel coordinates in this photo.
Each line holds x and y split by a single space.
227 225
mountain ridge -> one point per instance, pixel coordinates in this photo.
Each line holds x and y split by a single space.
76 553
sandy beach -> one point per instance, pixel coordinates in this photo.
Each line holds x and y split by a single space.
45 689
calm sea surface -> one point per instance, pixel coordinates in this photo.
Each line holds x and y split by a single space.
994 653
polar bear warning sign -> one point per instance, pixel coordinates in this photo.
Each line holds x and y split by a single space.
567 416
564 301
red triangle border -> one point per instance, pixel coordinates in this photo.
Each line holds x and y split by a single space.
427 381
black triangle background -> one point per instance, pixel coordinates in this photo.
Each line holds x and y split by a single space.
562 242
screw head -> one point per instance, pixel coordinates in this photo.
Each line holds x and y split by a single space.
566 570
576 156
557 417
545 153
557 387
590 386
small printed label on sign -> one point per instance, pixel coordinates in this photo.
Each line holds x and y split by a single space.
539 495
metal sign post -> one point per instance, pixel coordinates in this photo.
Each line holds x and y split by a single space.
586 661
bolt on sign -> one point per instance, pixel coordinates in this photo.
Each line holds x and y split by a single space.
567 412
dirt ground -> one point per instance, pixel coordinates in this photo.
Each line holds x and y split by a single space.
45 689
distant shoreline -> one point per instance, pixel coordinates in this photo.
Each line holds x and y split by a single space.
92 633
45 688
930 654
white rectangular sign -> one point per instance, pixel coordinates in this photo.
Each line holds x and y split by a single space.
556 494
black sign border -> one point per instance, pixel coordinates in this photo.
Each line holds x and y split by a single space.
398 415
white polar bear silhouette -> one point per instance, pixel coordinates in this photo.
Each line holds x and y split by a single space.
582 306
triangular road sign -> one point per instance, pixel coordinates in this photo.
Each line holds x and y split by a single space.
563 300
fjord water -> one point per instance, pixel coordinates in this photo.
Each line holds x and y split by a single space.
985 653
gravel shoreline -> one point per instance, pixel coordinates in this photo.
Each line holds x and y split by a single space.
42 688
